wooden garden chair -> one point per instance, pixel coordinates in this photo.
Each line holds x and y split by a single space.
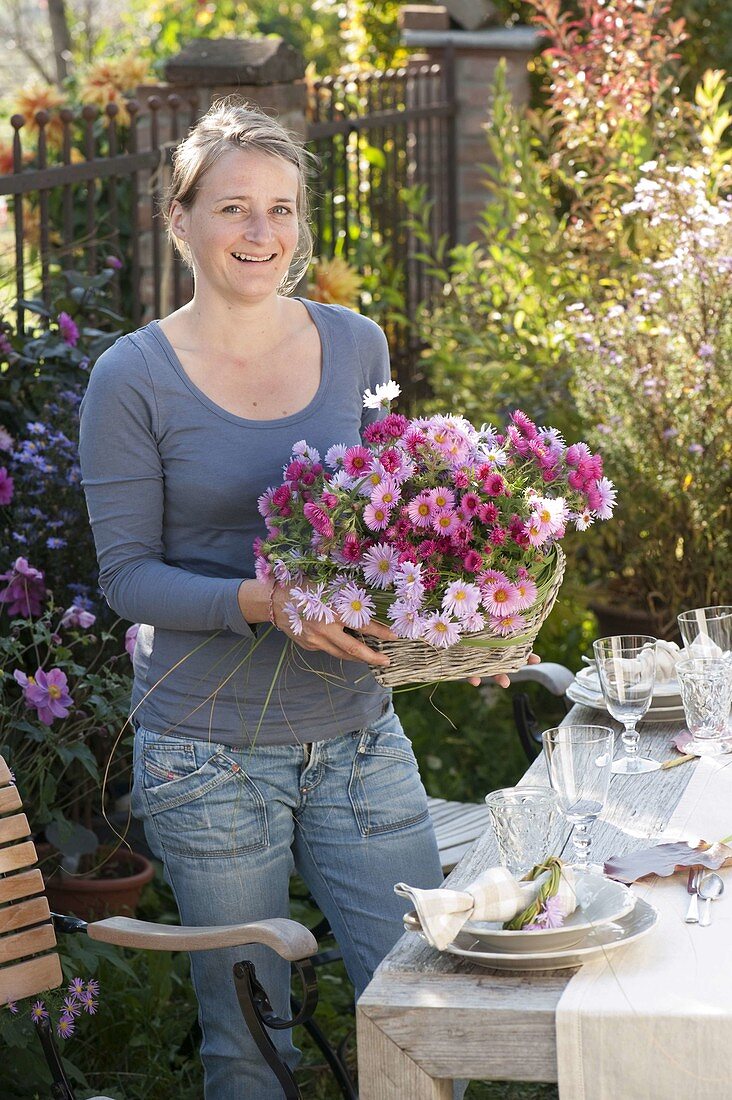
29 962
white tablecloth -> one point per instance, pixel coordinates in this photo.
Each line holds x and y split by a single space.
653 1021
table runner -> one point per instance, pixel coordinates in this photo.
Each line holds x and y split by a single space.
653 1021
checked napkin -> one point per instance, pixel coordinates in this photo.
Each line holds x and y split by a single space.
495 895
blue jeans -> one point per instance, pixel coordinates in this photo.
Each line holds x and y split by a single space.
230 826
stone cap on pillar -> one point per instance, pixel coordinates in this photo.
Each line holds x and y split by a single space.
233 61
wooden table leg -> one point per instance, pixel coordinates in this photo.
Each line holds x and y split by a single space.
385 1072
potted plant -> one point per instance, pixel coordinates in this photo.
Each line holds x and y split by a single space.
653 384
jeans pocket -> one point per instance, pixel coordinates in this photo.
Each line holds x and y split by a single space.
201 802
385 788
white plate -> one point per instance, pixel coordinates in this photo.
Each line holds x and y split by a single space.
667 693
659 710
596 941
600 901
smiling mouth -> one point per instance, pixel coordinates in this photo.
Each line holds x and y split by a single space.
245 258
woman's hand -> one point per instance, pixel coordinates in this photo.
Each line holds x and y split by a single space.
331 637
502 679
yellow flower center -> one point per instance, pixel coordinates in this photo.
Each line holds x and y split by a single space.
356 605
384 566
500 595
54 691
424 509
440 628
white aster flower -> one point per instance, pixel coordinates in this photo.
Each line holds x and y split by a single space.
386 392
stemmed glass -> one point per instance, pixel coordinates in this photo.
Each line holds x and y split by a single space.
627 668
707 631
578 759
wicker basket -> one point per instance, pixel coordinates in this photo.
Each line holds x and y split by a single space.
483 654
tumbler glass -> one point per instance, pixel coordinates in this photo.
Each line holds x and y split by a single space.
523 819
706 692
707 631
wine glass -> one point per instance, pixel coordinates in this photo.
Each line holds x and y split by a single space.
578 759
627 668
706 631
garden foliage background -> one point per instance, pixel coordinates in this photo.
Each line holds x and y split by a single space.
596 297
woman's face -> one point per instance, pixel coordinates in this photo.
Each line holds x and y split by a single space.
242 227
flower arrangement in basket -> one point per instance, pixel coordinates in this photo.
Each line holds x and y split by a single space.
447 533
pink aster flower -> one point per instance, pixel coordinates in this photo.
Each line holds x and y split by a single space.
114 262
6 486
527 593
386 494
319 520
352 548
607 498
494 485
406 620
312 603
582 520
354 606
264 503
446 523
461 598
472 561
379 565
501 598
442 499
471 502
525 426
376 517
474 623
25 591
294 617
537 532
576 453
357 461
440 630
421 510
47 692
551 915
262 569
506 625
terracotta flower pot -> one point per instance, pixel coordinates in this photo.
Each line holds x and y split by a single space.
109 896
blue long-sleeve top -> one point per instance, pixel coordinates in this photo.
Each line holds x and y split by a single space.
172 482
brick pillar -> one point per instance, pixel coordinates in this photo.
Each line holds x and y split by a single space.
265 71
476 55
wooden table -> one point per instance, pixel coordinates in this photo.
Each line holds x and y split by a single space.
427 1018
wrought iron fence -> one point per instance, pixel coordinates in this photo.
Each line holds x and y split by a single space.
81 188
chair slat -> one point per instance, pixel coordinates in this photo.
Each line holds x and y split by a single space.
23 885
5 776
13 828
19 855
28 978
27 943
9 800
23 914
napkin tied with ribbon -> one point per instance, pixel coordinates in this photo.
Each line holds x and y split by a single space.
495 895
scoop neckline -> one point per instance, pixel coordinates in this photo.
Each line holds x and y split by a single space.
225 414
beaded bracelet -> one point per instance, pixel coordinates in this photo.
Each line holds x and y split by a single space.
272 617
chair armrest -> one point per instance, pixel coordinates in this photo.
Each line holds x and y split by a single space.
288 938
555 678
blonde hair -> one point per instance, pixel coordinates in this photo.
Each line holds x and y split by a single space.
232 123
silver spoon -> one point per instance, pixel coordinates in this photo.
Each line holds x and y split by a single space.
710 888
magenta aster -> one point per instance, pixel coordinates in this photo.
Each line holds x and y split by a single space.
68 329
357 461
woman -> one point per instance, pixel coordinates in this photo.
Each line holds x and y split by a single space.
253 758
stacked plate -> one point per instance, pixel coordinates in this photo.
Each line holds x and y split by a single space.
607 917
665 706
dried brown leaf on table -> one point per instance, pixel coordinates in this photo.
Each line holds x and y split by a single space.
664 859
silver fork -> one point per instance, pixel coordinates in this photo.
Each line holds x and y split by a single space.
692 886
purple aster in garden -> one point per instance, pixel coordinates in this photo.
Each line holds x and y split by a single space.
6 348
13 1007
706 351
38 1012
55 543
47 692
65 1027
88 1002
72 1007
440 630
6 486
379 565
68 329
93 987
25 591
113 262
76 986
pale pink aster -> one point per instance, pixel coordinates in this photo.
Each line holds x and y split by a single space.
442 499
341 480
537 532
583 520
506 625
262 570
6 440
264 503
474 623
386 494
608 495
77 617
527 593
501 598
446 523
294 618
357 461
491 576
551 915
406 620
379 564
301 450
440 630
421 509
131 638
334 456
354 606
461 598
551 511
408 578
376 517
375 477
